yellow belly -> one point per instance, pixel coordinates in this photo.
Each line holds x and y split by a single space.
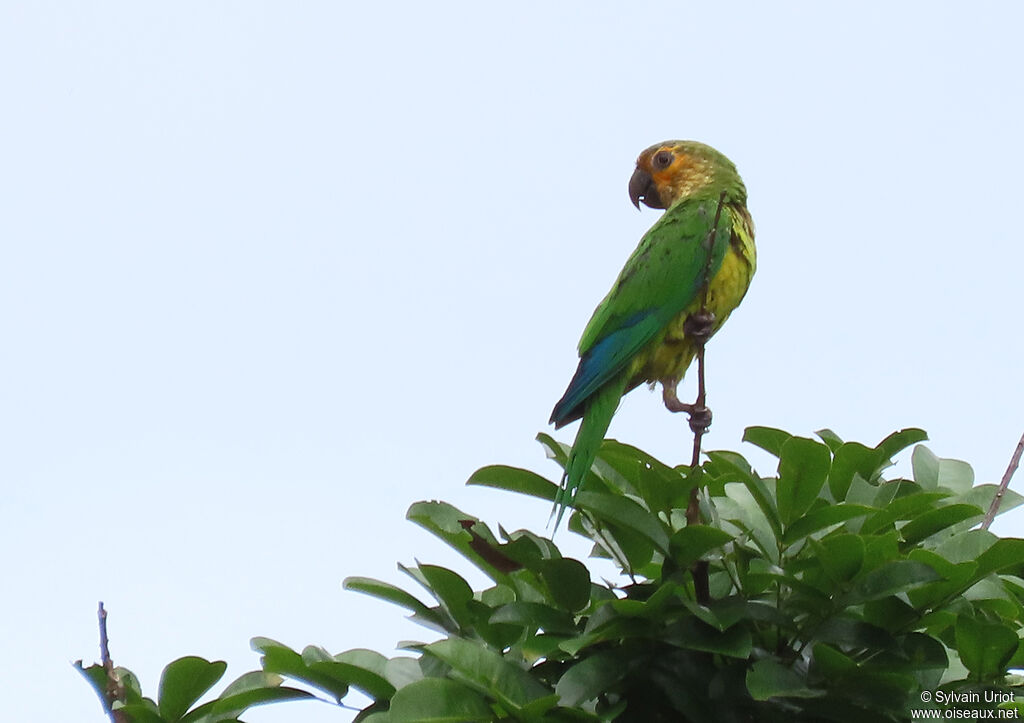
667 358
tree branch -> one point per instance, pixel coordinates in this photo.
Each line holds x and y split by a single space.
1003 485
115 689
700 416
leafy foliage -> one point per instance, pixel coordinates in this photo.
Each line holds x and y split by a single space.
837 594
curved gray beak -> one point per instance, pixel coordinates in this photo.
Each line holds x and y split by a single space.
642 188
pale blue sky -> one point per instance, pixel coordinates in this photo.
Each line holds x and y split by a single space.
271 272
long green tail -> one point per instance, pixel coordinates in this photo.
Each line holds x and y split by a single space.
598 415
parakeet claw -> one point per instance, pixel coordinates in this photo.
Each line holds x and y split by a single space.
699 326
700 415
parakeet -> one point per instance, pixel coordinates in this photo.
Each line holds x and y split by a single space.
637 332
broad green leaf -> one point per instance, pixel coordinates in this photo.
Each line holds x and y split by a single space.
359 668
769 679
759 491
933 472
97 677
184 681
852 634
822 518
936 520
891 578
926 467
924 651
568 581
850 459
625 513
390 593
514 479
694 634
488 672
691 543
831 663
897 442
448 523
281 659
1004 553
984 648
438 700
656 483
536 616
450 589
830 438
740 507
841 556
591 677
246 691
140 712
803 467
890 613
967 546
903 508
767 438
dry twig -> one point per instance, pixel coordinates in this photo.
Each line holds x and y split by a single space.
998 499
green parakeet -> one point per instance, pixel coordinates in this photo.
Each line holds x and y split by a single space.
637 332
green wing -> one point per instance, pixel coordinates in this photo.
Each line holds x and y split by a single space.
662 277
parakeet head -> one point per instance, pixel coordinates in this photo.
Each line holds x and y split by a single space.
669 171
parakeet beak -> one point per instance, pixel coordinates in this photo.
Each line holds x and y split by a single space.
642 188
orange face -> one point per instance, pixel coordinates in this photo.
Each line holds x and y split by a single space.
665 173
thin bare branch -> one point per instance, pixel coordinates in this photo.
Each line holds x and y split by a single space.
700 416
115 689
1003 485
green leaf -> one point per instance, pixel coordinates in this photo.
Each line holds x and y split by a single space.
803 467
769 679
936 520
184 681
1004 553
757 488
984 648
891 578
830 663
359 668
248 690
536 616
933 472
625 513
767 438
694 634
568 581
830 438
140 712
591 677
850 459
488 672
278 658
438 700
390 593
897 442
447 522
822 518
903 508
841 556
97 677
926 467
691 543
451 590
514 479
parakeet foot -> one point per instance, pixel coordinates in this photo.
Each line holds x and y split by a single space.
700 415
699 326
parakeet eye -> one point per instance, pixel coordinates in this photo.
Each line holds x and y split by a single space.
662 160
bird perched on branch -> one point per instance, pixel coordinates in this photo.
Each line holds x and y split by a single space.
649 326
